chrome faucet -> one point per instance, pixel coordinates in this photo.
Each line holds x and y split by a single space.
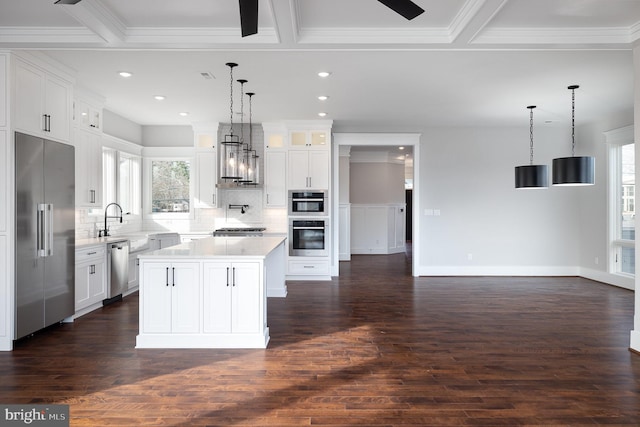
105 232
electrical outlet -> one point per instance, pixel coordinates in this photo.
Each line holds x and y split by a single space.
470 257
597 260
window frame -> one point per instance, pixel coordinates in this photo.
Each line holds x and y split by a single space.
166 154
615 140
114 175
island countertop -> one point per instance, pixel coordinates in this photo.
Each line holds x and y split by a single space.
219 247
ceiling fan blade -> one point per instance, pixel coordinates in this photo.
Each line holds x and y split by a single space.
249 17
406 8
67 1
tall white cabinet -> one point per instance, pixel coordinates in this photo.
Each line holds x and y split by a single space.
206 165
87 139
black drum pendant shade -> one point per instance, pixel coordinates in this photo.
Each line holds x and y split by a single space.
574 170
532 176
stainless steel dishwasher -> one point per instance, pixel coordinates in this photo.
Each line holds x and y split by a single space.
118 262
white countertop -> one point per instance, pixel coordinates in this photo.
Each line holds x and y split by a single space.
219 247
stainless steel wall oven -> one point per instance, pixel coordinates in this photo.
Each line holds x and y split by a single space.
308 203
308 237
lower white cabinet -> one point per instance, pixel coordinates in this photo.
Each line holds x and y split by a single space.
171 299
308 266
231 297
91 276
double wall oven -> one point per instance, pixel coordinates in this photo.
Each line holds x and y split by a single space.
308 223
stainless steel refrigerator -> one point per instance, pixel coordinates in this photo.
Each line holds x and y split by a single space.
45 233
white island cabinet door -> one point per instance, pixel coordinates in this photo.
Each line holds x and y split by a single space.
217 298
246 297
156 298
185 298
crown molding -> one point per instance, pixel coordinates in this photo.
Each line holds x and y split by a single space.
537 36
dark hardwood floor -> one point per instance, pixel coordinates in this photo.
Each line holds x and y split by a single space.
375 347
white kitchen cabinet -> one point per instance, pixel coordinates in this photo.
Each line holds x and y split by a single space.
309 138
232 297
87 116
206 170
275 184
91 276
308 169
308 266
88 168
170 297
42 102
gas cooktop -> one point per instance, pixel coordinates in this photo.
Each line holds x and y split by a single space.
239 231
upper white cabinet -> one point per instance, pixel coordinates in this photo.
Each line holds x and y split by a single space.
308 169
206 174
86 115
88 168
41 102
275 184
309 138
206 192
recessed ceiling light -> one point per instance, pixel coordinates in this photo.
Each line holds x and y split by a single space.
125 74
323 97
159 97
400 148
322 114
184 114
324 74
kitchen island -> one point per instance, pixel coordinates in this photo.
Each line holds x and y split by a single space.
209 293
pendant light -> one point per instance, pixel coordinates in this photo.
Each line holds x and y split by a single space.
253 171
231 143
243 162
532 176
574 170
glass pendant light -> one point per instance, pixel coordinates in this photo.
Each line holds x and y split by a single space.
230 145
252 155
532 176
243 166
574 170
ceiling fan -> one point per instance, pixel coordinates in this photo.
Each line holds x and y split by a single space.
249 12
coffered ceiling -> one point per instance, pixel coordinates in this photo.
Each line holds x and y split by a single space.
461 63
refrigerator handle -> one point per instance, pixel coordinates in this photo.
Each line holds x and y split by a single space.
49 247
40 230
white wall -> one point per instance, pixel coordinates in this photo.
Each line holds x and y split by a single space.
375 182
593 201
167 136
468 176
118 126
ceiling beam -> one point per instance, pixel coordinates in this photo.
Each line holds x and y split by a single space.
472 18
98 18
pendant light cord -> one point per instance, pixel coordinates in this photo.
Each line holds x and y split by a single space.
531 133
231 65
573 118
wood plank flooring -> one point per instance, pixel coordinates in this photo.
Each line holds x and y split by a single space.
375 347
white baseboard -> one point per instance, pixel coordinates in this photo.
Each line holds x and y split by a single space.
466 270
493 270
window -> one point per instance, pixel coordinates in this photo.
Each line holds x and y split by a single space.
622 202
169 187
121 180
